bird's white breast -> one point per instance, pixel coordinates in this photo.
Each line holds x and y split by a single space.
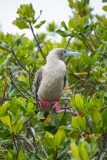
52 81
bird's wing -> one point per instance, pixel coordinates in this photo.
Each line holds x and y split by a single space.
37 81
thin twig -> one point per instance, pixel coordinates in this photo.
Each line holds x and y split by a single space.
4 91
28 120
103 108
76 87
60 121
92 89
12 51
45 152
17 150
28 143
32 133
16 86
29 146
103 54
67 111
61 118
78 77
37 41
88 124
7 99
88 46
103 155
68 43
92 41
26 91
65 155
18 60
55 158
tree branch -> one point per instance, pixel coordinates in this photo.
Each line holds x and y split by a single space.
40 49
84 80
88 124
16 86
68 43
88 46
92 41
20 64
17 150
29 146
92 89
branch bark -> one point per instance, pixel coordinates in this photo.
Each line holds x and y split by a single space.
40 49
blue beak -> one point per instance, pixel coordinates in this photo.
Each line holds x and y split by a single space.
70 54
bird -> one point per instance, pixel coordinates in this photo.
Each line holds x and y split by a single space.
50 80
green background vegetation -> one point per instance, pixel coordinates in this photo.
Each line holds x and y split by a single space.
79 131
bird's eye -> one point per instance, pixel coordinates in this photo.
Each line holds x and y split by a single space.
64 51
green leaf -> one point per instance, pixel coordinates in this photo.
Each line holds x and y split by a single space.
95 115
72 24
9 156
18 126
35 20
79 100
94 145
59 138
87 60
86 22
79 122
30 106
75 151
63 151
4 46
40 115
104 118
104 1
40 24
3 109
49 140
86 1
6 121
21 156
72 4
83 151
62 33
21 24
105 8
6 62
50 157
74 134
65 128
64 25
51 27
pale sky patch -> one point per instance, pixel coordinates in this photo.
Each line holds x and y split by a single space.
53 10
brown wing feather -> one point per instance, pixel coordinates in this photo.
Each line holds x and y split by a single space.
37 82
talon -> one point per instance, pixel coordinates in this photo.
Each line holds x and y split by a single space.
56 105
44 103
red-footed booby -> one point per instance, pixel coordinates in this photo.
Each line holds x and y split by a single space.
50 80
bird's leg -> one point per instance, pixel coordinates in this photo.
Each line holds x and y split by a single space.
44 103
56 105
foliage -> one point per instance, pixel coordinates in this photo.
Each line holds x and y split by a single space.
79 131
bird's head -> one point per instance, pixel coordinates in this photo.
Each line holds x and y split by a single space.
61 53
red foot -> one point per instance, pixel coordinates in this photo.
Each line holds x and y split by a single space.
56 105
44 103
